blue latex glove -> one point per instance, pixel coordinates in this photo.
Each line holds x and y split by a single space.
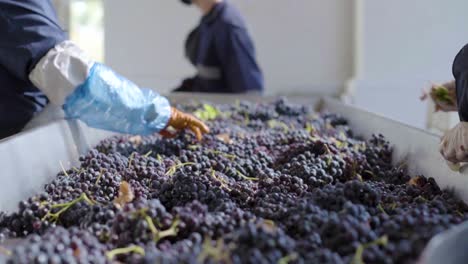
109 101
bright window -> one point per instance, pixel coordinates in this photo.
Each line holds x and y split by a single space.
87 26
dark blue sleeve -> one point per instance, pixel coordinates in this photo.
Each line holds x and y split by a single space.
237 55
28 30
460 72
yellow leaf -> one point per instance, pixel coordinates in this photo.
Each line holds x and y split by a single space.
125 195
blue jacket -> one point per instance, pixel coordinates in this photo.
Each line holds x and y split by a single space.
460 72
223 52
28 30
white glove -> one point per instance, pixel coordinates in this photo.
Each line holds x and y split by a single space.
454 144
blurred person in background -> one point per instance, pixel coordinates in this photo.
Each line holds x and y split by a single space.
453 96
40 67
222 52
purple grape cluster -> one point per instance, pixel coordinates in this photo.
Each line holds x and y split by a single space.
272 183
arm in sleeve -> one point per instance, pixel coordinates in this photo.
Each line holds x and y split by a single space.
237 54
460 72
97 95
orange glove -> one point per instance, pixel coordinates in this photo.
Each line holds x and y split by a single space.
180 120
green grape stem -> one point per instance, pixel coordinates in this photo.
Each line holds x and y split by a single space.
381 209
217 152
174 168
54 217
130 160
219 253
63 169
170 232
222 181
159 234
289 258
99 176
357 259
120 251
245 177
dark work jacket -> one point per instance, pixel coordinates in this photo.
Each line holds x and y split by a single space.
28 30
223 53
460 72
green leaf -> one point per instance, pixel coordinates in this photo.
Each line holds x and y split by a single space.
442 94
340 144
275 123
310 128
208 112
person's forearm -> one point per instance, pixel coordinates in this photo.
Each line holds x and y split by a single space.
95 94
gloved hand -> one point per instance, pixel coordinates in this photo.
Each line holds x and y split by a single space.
454 144
180 120
444 99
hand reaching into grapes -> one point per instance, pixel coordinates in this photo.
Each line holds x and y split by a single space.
180 120
454 145
444 96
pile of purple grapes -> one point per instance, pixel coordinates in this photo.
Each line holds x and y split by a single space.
271 183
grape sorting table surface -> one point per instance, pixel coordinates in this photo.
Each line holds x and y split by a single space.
32 158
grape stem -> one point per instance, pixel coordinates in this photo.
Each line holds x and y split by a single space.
288 258
245 177
148 154
159 234
99 176
63 169
370 173
217 152
159 158
174 168
218 253
171 231
78 171
130 160
222 181
193 147
380 207
119 251
65 206
357 259
246 119
269 224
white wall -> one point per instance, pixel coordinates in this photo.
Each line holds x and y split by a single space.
302 45
387 51
403 45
